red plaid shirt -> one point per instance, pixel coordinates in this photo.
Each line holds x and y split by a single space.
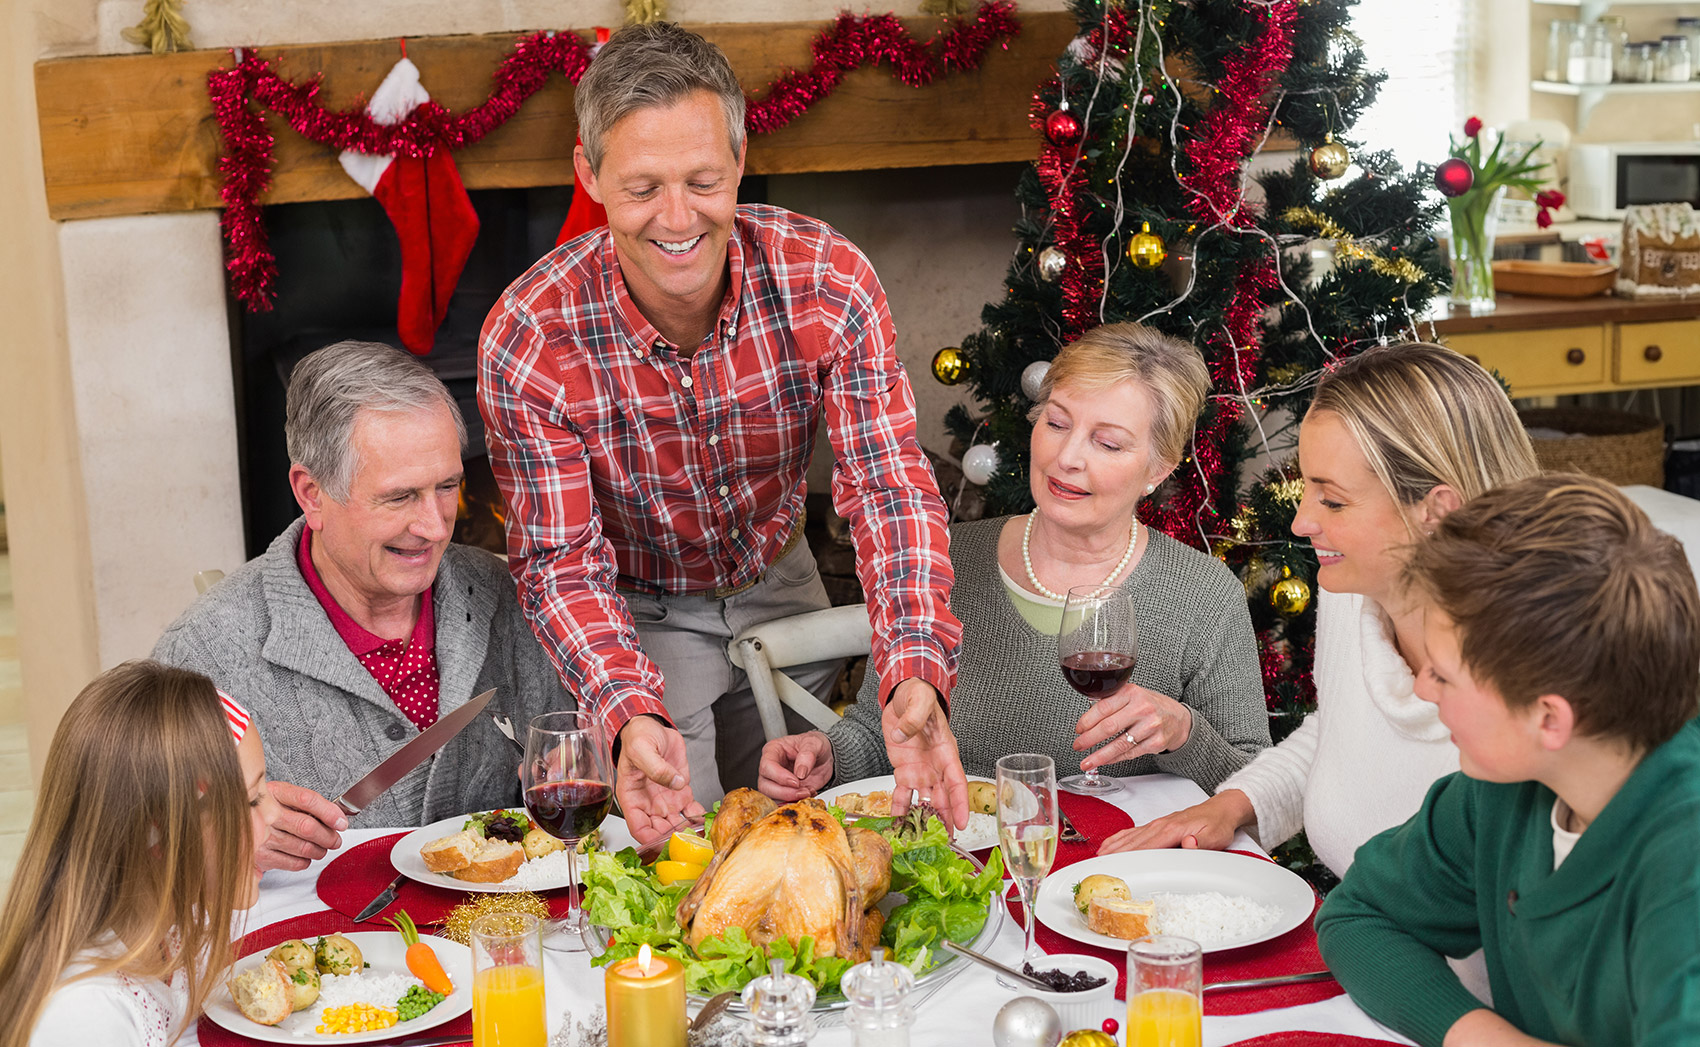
627 463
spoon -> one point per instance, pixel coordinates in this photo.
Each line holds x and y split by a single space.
986 961
712 1010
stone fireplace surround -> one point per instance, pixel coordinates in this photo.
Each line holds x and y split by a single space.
117 405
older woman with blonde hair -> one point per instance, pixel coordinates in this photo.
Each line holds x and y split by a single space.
1395 439
141 849
1114 418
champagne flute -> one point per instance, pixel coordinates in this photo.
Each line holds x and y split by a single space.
1027 826
568 790
1098 647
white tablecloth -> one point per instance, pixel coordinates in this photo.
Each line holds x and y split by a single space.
961 1012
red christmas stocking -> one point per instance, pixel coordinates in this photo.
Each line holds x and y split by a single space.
583 215
428 206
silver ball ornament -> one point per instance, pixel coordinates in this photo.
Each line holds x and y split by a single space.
979 463
1027 1021
1052 262
1033 378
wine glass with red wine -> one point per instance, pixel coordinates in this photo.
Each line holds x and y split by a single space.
1098 646
568 790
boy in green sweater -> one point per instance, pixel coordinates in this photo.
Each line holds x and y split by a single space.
1563 643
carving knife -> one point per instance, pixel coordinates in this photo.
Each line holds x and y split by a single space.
355 798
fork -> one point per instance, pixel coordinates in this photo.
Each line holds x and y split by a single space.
1069 833
506 726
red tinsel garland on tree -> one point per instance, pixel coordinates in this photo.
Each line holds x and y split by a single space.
851 42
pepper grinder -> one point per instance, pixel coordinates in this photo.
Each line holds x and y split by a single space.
779 1009
879 1015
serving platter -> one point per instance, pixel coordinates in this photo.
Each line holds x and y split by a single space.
981 833
945 966
386 953
405 857
1178 872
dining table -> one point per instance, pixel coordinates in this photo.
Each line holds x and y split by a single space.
962 1009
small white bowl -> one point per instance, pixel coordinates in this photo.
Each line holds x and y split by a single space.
1079 1010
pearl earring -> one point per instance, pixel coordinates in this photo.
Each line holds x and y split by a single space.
1150 487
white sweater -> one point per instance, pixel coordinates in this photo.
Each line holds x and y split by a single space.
1364 760
113 1010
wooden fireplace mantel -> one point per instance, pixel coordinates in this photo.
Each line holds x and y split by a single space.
134 134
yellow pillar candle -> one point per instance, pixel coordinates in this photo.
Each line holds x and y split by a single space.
646 1001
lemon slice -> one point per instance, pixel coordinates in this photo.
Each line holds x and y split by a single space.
690 849
670 872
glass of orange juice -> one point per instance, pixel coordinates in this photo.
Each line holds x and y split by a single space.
1165 991
507 981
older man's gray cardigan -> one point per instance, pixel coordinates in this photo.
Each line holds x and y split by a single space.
263 637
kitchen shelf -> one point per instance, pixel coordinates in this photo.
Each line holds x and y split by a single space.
1590 95
1593 9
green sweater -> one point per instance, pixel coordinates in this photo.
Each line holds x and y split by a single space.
1603 951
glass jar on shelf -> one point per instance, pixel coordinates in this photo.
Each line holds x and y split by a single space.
1638 66
1617 34
1673 63
1590 56
1690 27
1559 34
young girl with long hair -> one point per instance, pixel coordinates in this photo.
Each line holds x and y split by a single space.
140 850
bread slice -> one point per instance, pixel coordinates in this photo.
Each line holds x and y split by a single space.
493 862
262 993
878 804
449 853
1121 918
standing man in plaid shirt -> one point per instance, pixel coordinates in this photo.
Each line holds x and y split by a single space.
651 393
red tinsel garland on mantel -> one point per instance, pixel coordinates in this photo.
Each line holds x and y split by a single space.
851 42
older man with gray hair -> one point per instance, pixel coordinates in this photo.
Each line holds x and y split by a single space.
362 622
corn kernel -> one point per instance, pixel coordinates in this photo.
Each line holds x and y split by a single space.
355 1017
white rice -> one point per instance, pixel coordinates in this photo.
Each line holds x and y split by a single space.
1212 919
982 832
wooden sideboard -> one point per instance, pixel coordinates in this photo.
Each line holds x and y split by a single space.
1556 346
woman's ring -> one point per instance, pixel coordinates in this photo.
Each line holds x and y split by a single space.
1130 741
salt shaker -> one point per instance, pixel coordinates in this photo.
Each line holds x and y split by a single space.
879 1015
779 1006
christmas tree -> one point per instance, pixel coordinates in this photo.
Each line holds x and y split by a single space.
1140 208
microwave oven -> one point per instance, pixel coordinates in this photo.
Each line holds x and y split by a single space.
1606 177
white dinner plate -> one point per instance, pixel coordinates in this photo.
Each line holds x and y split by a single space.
982 831
387 954
405 856
1177 872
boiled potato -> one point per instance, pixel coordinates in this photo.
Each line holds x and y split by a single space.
337 954
1100 886
294 955
982 798
303 987
538 843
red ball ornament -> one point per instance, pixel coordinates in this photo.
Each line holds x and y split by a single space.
1110 1026
1062 128
1454 177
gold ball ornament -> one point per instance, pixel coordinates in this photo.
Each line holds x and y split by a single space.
951 365
1052 262
1329 160
1289 596
1088 1038
1146 249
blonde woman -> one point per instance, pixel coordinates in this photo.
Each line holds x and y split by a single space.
140 850
1114 418
1395 439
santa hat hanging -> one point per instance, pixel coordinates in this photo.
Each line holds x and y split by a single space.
426 203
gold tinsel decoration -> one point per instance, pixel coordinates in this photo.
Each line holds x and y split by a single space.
643 12
1348 247
947 8
1240 525
458 926
162 28
1288 492
1287 374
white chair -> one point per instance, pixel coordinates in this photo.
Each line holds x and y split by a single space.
205 580
818 636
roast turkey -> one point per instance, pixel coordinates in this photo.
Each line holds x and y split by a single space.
786 872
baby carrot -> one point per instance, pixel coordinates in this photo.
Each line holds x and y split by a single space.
420 959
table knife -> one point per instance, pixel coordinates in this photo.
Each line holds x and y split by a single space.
431 1041
355 798
381 902
1069 833
1261 983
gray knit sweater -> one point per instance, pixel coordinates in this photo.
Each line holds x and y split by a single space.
1195 644
263 637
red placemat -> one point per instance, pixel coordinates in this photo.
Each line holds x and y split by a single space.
1312 1039
1291 953
354 877
312 925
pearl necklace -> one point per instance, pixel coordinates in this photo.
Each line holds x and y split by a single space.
1027 558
